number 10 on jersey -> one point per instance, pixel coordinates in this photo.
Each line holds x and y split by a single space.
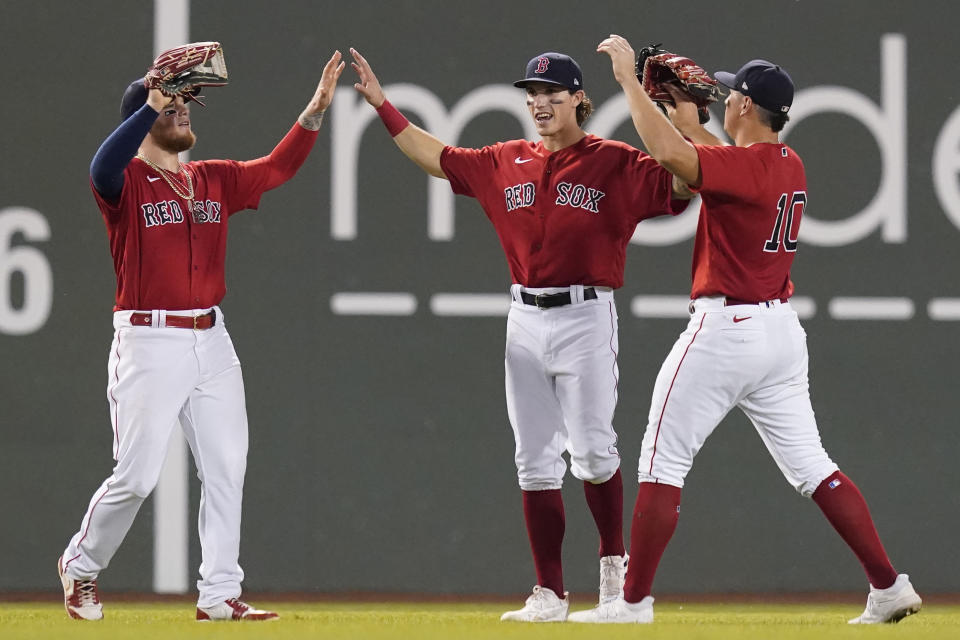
782 232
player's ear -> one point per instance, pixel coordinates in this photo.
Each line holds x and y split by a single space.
578 97
746 106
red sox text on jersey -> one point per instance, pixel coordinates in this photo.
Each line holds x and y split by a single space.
575 195
166 259
169 212
591 194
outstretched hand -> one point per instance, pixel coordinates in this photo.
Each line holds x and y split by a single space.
368 86
622 57
313 114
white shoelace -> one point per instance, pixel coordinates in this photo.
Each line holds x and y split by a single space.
86 591
538 599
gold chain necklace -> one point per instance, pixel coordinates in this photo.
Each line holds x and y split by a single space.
185 192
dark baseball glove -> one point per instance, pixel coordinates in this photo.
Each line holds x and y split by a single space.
657 68
181 71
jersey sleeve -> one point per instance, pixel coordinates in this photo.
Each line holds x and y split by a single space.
245 182
653 192
729 171
114 206
467 168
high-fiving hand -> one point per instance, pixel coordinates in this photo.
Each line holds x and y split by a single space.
368 86
313 114
622 57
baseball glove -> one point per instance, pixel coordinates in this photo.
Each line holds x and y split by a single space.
656 68
181 71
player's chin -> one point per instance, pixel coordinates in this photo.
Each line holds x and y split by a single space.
545 127
177 141
184 142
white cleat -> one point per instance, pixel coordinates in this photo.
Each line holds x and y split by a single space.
233 609
892 604
543 605
618 611
80 597
613 572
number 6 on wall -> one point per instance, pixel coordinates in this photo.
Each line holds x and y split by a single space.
785 231
32 264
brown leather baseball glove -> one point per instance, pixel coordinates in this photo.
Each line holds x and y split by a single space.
181 71
656 68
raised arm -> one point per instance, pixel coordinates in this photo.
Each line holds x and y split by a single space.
417 144
663 141
116 152
291 152
312 114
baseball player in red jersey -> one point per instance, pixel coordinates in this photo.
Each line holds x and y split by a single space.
744 346
172 358
564 209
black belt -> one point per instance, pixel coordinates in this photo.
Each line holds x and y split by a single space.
729 302
205 321
549 300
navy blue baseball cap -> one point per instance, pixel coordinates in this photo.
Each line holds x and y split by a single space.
553 68
766 83
133 98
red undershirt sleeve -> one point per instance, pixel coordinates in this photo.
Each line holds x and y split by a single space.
253 177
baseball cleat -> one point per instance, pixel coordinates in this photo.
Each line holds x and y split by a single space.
233 609
618 611
613 571
892 604
80 597
543 605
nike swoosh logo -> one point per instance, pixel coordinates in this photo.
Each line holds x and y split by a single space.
739 319
519 161
153 178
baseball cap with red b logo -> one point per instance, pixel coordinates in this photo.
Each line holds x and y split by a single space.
553 68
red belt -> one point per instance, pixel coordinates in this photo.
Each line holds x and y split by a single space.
205 321
730 302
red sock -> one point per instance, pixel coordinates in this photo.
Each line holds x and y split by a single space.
847 511
655 518
606 504
543 511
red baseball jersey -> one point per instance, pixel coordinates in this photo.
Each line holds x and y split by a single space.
563 217
753 200
168 255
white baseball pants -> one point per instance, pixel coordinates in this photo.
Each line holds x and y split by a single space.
157 377
561 386
748 356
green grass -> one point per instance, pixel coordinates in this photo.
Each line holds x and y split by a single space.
467 622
